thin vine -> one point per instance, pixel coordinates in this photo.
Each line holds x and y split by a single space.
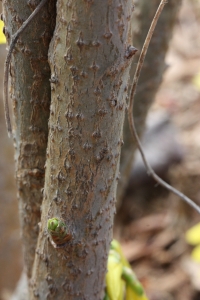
149 169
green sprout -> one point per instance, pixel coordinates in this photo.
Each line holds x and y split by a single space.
58 231
121 281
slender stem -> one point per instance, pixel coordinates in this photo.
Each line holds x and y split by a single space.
149 169
14 39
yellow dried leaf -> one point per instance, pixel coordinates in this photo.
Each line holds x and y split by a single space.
120 279
192 235
122 289
196 81
115 245
196 254
131 295
113 276
2 36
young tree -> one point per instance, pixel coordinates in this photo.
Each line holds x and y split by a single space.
30 94
90 56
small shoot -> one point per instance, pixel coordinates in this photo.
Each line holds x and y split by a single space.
121 282
58 231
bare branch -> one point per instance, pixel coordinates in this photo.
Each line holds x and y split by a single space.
149 169
14 39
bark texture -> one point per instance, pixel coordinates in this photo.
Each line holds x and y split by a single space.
89 58
151 75
30 94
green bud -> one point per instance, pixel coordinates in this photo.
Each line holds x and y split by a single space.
115 245
52 224
58 231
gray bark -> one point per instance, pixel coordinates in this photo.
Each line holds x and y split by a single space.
89 59
151 75
30 94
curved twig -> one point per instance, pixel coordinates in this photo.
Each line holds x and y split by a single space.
14 39
149 169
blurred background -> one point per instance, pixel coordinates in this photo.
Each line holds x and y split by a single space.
151 223
10 243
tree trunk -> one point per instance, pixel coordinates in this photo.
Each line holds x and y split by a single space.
89 57
30 94
151 75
